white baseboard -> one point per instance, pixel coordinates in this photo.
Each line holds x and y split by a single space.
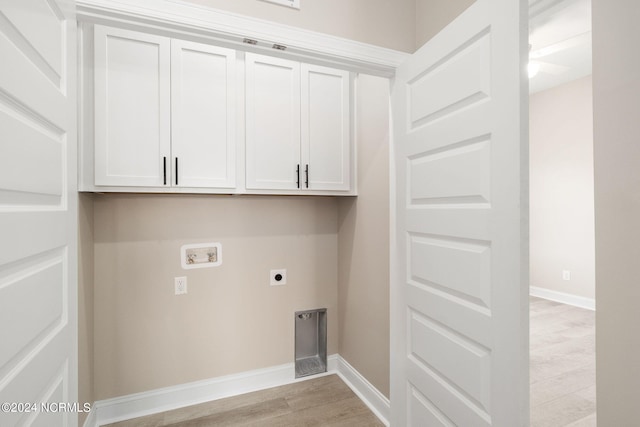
376 401
91 420
168 398
577 301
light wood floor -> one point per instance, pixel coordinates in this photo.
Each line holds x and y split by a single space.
562 368
324 401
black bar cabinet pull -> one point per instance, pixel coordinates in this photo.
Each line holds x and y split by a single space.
306 175
176 171
164 170
298 175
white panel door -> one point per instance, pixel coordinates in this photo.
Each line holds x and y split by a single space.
132 108
38 210
325 128
272 123
459 297
203 119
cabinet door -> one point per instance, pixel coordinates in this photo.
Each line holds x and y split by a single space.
203 119
272 123
131 108
326 131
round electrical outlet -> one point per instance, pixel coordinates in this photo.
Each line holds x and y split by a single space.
278 277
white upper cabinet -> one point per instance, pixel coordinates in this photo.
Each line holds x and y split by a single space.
297 126
132 107
326 139
165 112
203 118
272 123
178 116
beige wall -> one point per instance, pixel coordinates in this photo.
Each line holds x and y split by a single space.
85 301
403 25
231 320
616 90
363 243
433 15
380 22
561 188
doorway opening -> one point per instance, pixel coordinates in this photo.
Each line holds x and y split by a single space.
562 232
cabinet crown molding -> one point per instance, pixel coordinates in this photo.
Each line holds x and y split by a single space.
231 29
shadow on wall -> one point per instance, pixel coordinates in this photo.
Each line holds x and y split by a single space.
142 217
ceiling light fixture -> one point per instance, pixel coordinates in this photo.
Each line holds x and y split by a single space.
533 68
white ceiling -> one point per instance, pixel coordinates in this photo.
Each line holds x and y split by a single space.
560 39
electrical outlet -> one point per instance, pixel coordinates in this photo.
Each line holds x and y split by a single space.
181 285
278 277
566 275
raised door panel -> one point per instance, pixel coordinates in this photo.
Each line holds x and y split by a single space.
272 123
459 315
38 210
203 94
132 108
326 135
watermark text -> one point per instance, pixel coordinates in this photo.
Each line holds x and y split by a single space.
48 407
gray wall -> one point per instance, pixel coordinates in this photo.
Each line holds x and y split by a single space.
561 192
616 90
